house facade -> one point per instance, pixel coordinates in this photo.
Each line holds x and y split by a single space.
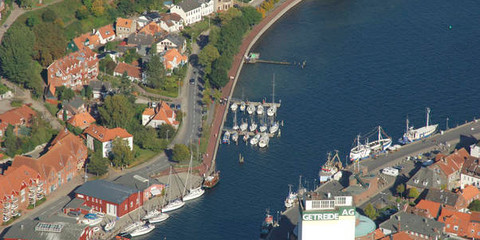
17 117
171 22
125 27
172 41
101 138
110 198
192 11
74 70
470 174
222 5
105 34
162 114
173 59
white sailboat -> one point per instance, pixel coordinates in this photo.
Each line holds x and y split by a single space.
175 204
234 106
264 140
235 136
255 139
243 126
151 214
273 109
242 106
382 143
260 109
253 126
235 124
274 127
159 218
142 230
192 192
360 151
412 135
133 226
250 108
246 136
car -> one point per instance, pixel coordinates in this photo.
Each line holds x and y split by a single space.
178 107
399 167
192 81
73 214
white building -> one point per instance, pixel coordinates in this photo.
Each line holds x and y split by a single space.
192 11
101 136
326 217
157 116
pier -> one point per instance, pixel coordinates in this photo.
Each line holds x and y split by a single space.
255 58
265 104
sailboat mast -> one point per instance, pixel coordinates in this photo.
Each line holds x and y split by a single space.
273 90
406 130
188 174
379 133
428 116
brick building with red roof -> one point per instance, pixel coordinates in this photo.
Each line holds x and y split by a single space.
73 71
17 117
134 73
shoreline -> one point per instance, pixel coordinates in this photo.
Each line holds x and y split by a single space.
227 91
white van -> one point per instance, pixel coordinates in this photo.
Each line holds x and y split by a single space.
390 171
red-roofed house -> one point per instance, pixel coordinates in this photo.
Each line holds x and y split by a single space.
151 29
74 70
22 116
171 22
467 195
173 59
106 34
162 114
399 236
81 120
87 40
125 27
432 209
451 166
133 73
455 222
98 136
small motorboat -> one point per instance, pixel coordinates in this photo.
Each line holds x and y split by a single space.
255 139
260 109
133 226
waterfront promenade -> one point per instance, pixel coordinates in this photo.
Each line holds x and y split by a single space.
222 110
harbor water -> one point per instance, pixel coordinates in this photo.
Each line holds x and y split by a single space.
369 63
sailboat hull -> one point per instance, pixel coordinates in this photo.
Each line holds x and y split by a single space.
193 194
173 206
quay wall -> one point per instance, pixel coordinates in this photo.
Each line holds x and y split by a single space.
222 110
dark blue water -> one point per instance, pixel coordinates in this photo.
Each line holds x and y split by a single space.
369 62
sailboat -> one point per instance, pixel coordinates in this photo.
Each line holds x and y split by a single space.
291 198
211 180
274 127
360 151
250 108
412 135
264 140
234 106
273 109
226 138
242 106
175 204
382 143
133 226
192 192
235 136
235 124
253 126
255 139
151 214
330 168
142 230
260 109
243 126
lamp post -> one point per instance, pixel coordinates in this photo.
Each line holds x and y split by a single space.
167 134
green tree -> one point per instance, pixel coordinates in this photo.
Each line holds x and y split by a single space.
413 193
25 3
82 13
88 4
180 153
208 54
474 206
107 65
400 189
97 8
206 99
116 112
122 155
251 15
370 211
166 130
230 14
32 21
97 164
10 142
50 44
49 15
64 94
155 72
125 7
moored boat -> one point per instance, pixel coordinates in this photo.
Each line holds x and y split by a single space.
382 143
251 109
243 126
330 168
234 106
412 135
260 109
291 198
142 230
133 226
159 218
109 226
246 136
92 222
151 214
173 205
193 193
254 141
274 127
360 151
267 225
242 106
235 136
211 180
226 138
264 140
253 126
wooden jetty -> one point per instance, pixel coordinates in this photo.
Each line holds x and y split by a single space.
265 104
241 133
255 58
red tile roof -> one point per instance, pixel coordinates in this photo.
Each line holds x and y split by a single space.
106 31
152 28
85 40
81 120
433 208
18 116
452 163
104 134
123 22
163 112
398 236
131 70
470 193
173 55
452 218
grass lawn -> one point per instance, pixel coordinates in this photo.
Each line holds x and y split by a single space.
143 156
171 92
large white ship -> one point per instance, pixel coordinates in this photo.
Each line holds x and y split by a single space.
360 151
412 135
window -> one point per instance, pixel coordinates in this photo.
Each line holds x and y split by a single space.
125 207
131 204
455 227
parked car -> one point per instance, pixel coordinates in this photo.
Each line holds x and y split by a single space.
192 81
73 214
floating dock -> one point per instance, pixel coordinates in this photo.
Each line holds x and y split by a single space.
265 104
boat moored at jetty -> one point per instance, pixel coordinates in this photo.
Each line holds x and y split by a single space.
360 151
151 214
331 167
243 126
291 198
235 136
382 143
412 135
253 126
133 226
173 205
264 140
226 138
267 225
260 109
255 139
159 218
109 226
274 127
234 106
142 230
242 106
211 180
250 108
193 193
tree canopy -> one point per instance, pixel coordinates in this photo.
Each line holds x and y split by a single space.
474 205
370 211
116 111
155 72
180 153
97 164
121 153
413 192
